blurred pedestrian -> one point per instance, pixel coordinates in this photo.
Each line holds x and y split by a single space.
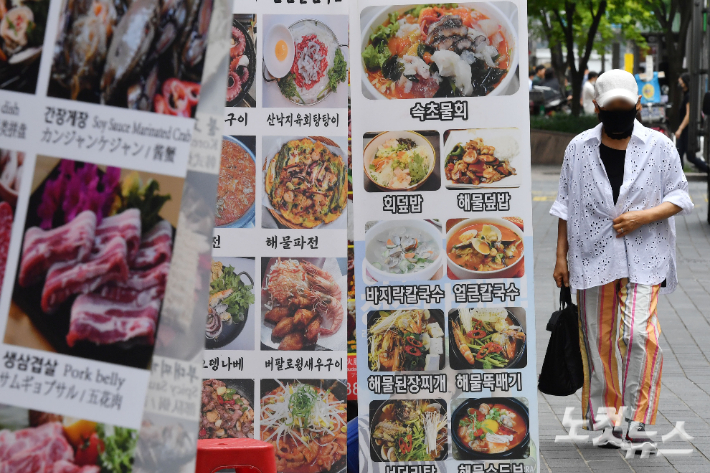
539 75
620 186
588 93
551 80
681 134
531 78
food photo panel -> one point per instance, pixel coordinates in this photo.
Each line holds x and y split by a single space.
96 252
403 250
305 61
482 158
447 50
227 409
485 248
131 55
314 409
303 304
231 310
487 338
400 161
22 29
236 190
241 78
405 430
305 182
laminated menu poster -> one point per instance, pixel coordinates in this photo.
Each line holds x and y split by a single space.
274 329
443 237
109 167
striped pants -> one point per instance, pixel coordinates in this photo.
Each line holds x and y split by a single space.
619 338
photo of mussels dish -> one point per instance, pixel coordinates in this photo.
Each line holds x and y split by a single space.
485 338
22 25
306 183
306 422
406 340
228 306
302 300
408 430
439 50
144 55
242 62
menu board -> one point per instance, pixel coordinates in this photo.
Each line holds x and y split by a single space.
105 163
275 333
443 237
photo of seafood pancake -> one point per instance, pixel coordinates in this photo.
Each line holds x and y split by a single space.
306 183
144 55
441 50
22 24
303 304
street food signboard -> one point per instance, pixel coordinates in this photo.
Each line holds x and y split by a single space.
99 237
443 237
274 327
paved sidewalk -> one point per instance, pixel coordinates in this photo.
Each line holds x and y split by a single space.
685 324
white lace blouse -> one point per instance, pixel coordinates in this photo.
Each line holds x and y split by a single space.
652 175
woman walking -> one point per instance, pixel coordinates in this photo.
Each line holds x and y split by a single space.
620 185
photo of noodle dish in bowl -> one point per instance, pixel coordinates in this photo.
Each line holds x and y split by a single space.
487 338
485 248
306 183
406 340
439 50
478 158
306 421
303 303
403 250
408 430
399 160
490 428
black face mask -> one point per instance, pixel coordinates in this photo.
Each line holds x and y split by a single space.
618 124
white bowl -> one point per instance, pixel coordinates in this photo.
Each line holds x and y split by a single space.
488 9
463 273
386 225
278 68
371 149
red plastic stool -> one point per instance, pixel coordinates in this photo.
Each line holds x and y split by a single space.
244 455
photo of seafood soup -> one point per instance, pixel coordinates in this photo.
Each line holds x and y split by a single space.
485 247
491 428
402 250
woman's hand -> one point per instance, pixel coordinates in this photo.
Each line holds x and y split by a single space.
629 221
678 133
561 273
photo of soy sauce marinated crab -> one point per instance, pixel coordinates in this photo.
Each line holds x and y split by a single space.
144 55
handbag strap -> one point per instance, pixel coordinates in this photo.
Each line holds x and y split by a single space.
565 297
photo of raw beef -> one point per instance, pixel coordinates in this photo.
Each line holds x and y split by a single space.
10 177
95 259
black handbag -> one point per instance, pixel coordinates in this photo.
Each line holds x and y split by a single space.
562 371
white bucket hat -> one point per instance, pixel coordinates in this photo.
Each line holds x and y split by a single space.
616 84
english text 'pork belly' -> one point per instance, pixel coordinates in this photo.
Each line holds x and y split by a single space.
156 246
42 248
65 279
102 321
127 224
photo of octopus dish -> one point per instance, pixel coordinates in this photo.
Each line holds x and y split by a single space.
490 428
306 422
303 305
307 183
236 186
227 410
408 430
242 62
144 55
440 50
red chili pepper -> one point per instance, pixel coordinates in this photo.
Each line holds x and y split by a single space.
220 400
414 342
230 402
203 433
178 98
414 351
405 444
476 333
487 349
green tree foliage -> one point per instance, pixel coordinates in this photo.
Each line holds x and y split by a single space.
580 27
